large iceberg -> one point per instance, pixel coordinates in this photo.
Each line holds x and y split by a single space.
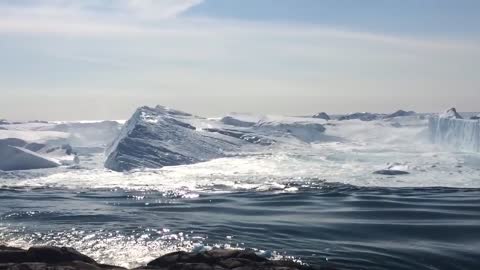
157 137
449 128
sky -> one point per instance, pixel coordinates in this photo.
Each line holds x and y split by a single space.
101 59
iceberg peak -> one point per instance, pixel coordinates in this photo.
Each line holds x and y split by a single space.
451 114
322 115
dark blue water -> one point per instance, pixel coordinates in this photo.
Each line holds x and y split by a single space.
342 226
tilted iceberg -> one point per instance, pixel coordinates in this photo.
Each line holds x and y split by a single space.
17 154
449 128
158 137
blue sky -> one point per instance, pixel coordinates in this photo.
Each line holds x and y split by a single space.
442 17
97 59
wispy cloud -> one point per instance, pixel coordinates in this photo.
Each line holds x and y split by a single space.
140 9
125 18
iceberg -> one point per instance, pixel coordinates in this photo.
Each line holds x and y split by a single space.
17 154
230 120
14 158
158 137
451 114
400 113
451 129
303 131
363 116
322 115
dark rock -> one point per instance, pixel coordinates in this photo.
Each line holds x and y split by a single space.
219 259
57 255
47 258
4 248
476 117
55 258
13 256
391 172
322 115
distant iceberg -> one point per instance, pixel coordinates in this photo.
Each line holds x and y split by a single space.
451 129
400 113
363 116
322 115
451 114
17 154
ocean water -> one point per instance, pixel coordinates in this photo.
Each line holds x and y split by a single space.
316 203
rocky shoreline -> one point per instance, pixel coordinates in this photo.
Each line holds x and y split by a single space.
56 258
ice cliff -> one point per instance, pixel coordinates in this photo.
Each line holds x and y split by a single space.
451 129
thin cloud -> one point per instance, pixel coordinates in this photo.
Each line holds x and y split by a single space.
153 18
137 9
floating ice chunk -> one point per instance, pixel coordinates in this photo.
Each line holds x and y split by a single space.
476 117
21 155
17 158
